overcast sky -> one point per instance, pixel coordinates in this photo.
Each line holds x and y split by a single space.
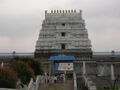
20 22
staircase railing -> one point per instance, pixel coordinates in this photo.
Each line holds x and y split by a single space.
75 81
89 83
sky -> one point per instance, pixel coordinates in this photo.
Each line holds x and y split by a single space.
20 22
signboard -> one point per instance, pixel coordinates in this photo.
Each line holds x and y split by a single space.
64 66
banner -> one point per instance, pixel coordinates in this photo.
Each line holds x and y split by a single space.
64 66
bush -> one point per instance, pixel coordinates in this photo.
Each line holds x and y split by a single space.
24 72
35 65
8 78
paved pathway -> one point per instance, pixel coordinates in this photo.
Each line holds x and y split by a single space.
63 86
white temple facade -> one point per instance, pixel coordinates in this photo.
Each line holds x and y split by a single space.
63 29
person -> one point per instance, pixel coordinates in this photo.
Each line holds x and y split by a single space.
58 78
42 79
61 78
55 79
52 79
64 79
48 79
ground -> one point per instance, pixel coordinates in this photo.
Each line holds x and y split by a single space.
59 86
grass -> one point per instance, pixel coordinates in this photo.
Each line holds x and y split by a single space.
102 88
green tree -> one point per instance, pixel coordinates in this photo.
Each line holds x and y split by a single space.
23 70
8 78
35 65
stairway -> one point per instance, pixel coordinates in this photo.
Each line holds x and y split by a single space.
68 85
81 84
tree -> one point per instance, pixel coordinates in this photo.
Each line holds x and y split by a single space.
8 78
35 65
23 70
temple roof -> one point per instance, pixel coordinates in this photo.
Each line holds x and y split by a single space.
62 57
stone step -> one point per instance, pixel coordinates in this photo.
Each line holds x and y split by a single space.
68 85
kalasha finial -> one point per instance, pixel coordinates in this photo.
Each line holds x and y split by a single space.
60 11
54 11
65 11
71 11
51 11
80 11
68 11
45 11
57 11
74 11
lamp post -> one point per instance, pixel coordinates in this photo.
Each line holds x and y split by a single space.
14 54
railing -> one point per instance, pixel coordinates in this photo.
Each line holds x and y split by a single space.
12 89
75 81
34 85
31 86
17 54
106 53
89 83
10 55
31 54
62 50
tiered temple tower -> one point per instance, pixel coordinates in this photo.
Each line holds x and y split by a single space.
63 32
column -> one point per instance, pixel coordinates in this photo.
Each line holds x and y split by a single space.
53 68
84 68
112 72
50 68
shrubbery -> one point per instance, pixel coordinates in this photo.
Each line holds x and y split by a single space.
8 78
19 68
23 70
35 65
26 68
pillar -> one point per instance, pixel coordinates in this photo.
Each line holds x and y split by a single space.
50 68
112 72
84 68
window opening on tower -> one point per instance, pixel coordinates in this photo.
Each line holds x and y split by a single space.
63 24
62 46
63 34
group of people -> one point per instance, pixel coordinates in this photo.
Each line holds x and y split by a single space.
46 79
